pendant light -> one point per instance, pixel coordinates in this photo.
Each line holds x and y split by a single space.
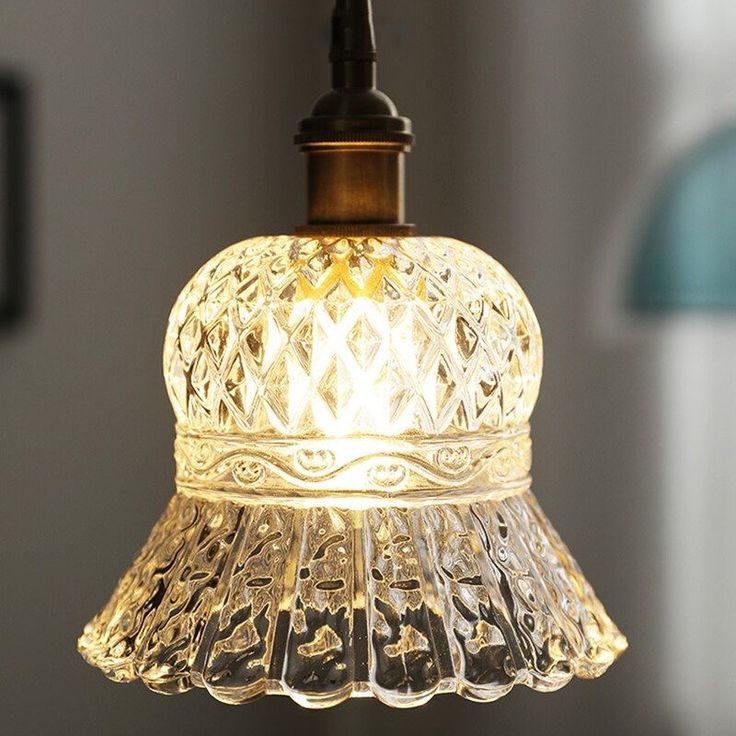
353 513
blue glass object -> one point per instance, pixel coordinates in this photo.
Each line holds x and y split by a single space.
687 256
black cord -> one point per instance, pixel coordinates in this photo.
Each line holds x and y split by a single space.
353 48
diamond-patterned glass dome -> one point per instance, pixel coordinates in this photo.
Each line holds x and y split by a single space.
353 512
332 337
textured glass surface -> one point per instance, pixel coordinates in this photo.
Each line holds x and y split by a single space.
353 514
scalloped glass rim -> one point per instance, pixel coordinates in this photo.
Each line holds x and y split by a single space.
471 599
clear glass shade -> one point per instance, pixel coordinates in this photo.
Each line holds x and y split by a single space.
353 513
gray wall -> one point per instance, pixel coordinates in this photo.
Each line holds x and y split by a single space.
161 132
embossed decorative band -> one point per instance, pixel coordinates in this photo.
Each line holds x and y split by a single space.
491 465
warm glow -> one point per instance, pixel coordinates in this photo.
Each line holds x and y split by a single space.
354 514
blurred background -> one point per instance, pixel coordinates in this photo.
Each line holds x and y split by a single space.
586 145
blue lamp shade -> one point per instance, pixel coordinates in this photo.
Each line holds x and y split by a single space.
687 256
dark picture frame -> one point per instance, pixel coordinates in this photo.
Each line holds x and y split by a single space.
13 252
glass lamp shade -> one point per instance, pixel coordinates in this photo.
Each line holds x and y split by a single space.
353 513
